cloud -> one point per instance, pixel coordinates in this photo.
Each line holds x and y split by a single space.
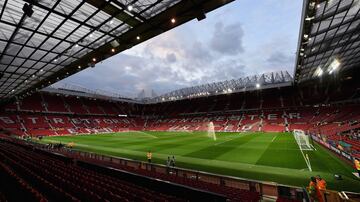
171 57
162 65
279 58
215 49
227 39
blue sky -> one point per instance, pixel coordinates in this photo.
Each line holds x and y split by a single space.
243 38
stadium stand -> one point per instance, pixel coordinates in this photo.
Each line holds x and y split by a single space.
270 110
33 171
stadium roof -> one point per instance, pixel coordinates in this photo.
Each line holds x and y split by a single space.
249 83
255 82
329 38
42 42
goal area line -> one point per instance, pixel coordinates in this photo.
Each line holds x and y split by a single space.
303 147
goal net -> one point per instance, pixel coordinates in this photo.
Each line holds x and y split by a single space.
302 140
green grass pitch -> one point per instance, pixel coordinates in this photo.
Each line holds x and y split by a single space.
271 157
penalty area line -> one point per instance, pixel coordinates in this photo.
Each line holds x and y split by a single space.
147 134
226 141
307 160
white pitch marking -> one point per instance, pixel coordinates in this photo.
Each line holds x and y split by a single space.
313 147
147 134
226 141
273 139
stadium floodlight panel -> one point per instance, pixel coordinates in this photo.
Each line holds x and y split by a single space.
309 18
257 85
334 65
318 72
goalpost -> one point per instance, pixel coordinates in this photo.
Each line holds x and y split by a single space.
304 144
302 140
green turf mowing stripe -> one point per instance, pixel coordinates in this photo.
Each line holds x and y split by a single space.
324 160
283 152
214 151
248 152
163 144
198 142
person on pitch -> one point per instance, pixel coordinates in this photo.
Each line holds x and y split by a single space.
168 162
173 161
149 156
357 166
314 191
321 183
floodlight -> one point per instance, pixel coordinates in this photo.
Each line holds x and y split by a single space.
130 7
173 20
309 18
334 65
318 72
257 85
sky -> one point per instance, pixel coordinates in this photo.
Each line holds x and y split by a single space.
243 38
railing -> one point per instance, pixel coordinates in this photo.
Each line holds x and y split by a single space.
265 189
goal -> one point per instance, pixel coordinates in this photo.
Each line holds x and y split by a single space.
302 140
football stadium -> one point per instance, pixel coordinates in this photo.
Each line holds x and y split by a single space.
274 136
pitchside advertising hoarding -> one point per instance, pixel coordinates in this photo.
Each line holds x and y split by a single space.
333 148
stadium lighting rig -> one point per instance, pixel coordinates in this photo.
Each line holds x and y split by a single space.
309 18
257 85
334 65
318 72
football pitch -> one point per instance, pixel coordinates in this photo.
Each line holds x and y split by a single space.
272 157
